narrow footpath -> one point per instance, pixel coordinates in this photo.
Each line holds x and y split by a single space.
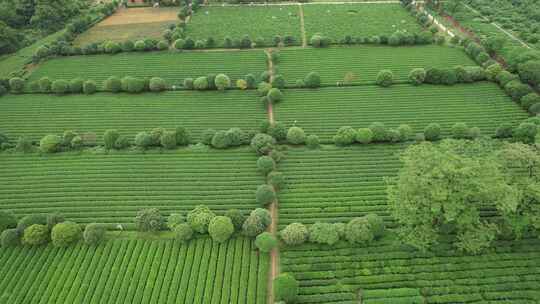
302 26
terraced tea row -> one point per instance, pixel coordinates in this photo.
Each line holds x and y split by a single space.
361 64
112 188
37 115
135 271
323 112
389 273
173 67
336 184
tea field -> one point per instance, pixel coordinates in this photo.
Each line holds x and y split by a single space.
135 271
37 115
357 20
363 63
323 112
111 188
173 67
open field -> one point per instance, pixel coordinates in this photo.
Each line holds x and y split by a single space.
131 24
357 20
365 62
173 67
135 271
323 112
235 22
37 115
388 273
112 188
337 184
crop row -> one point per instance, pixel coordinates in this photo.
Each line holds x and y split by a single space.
389 273
362 63
35 116
112 188
135 271
324 111
173 67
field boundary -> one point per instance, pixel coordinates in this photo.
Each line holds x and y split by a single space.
297 3
302 25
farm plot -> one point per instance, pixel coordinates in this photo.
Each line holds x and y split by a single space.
135 271
386 272
357 20
111 188
363 63
173 67
323 112
131 24
236 22
336 184
35 116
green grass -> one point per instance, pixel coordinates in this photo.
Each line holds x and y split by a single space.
357 20
111 188
322 112
235 22
365 62
36 115
386 272
123 32
171 66
132 271
336 184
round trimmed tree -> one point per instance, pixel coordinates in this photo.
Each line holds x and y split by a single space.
265 242
94 233
265 164
364 136
157 84
183 232
294 234
36 234
312 80
65 233
262 143
345 136
60 87
237 218
199 218
296 136
10 237
358 231
286 288
220 228
222 82
274 95
432 132
50 143
265 195
385 78
149 220
113 84
323 233
313 142
417 76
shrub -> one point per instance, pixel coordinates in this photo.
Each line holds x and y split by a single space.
7 220
364 136
432 132
296 136
110 137
94 233
262 143
376 224
201 83
274 95
30 220
189 83
36 234
286 288
54 219
157 84
4 91
10 237
323 233
379 132
66 233
493 71
143 140
16 85
417 76
516 90
312 80
535 109
112 47
278 82
199 218
263 88
529 72
182 136
89 87
128 46
448 77
319 41
276 179
237 218
358 231
505 77
253 226
345 136
265 242
162 45
132 84
183 232
474 132
251 81
265 195
179 44
278 131
149 220
113 84
140 46
219 140
525 132
504 131
460 130
528 100
294 234
385 78
222 82
312 141
24 145
265 164
220 228
434 76
60 87
50 143
405 132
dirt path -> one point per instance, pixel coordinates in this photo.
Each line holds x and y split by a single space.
270 108
308 3
302 26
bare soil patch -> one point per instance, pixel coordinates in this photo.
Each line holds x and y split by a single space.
141 15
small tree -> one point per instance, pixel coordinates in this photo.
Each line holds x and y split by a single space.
278 82
323 233
168 140
113 84
219 140
24 144
200 83
183 232
376 224
30 220
345 136
417 76
253 226
358 231
36 234
10 237
312 141
89 87
143 140
157 84
265 164
296 136
265 195
262 143
312 80
50 143
222 82
294 234
94 233
405 132
220 228
110 137
364 136
66 233
265 242
379 132
60 87
149 220
460 130
278 130
274 95
16 84
263 88
276 179
199 218
525 132
45 84
385 78
182 136
528 100
53 219
432 132
237 218
286 288
7 220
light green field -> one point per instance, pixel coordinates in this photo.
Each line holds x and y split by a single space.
111 188
322 112
135 271
365 62
357 20
36 115
171 66
235 22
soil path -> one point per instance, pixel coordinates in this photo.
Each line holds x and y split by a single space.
308 3
302 25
